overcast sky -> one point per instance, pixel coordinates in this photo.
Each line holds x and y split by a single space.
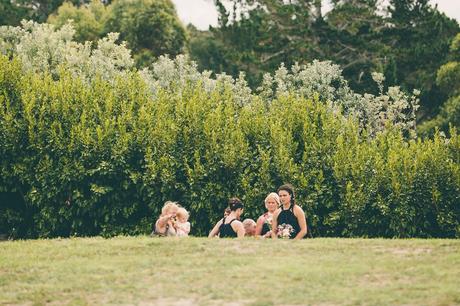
202 13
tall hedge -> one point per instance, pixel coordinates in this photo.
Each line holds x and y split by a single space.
100 158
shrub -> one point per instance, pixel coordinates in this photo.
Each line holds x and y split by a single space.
91 146
100 157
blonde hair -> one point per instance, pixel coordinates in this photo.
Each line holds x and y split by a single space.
273 195
248 222
168 205
182 212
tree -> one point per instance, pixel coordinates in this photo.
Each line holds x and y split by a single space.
150 27
419 37
88 19
258 39
11 13
270 32
352 36
448 80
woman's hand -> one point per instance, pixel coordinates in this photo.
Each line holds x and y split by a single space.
267 234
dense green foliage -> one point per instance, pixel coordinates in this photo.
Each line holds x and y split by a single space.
13 11
92 157
408 44
150 27
88 20
448 79
406 40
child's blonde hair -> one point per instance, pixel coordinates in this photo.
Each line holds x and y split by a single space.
182 213
168 206
248 223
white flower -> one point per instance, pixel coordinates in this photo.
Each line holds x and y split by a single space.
285 230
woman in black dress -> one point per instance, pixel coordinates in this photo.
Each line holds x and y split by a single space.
289 220
230 226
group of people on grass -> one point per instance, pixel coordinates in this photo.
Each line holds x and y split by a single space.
283 219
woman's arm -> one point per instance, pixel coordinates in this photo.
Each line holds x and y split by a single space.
275 224
298 212
239 229
259 225
162 220
160 225
215 230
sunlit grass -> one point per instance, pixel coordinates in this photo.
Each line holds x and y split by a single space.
200 271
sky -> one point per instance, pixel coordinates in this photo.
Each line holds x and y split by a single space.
202 13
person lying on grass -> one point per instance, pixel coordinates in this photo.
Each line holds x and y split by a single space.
230 226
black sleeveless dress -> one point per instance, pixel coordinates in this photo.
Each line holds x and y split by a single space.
226 230
287 217
265 227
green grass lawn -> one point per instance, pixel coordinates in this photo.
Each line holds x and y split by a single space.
201 271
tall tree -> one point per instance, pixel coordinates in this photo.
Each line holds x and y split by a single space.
352 37
448 80
259 37
407 44
88 19
13 11
150 27
419 37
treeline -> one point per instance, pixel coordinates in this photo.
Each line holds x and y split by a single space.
406 40
150 27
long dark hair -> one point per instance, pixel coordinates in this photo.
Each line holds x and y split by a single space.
235 203
290 189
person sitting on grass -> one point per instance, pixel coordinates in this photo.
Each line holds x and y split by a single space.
165 223
230 226
249 227
182 225
264 223
288 220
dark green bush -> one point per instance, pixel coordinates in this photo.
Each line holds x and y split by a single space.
102 158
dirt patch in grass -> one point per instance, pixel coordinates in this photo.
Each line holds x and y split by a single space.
375 280
411 251
402 251
170 302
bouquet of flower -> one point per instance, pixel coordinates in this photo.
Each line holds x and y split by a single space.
268 220
285 230
268 223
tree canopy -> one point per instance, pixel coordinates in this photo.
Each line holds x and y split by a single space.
406 40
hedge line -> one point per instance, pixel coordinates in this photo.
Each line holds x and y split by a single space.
101 159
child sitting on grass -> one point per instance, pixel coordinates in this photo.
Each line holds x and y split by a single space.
181 224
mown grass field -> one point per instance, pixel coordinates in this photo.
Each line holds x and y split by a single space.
201 271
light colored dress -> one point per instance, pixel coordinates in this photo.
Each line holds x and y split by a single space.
182 229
